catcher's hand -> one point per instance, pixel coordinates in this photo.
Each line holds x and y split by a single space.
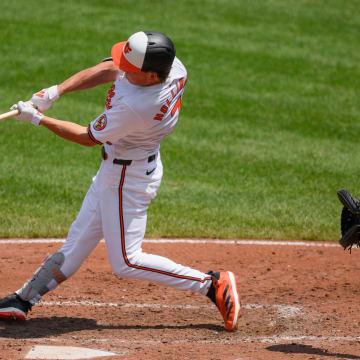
350 220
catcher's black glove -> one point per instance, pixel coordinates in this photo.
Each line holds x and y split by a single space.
350 220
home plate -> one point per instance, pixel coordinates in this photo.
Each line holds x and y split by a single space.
64 353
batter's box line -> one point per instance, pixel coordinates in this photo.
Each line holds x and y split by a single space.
285 311
192 241
234 340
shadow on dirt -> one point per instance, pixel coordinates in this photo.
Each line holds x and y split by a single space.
50 326
308 349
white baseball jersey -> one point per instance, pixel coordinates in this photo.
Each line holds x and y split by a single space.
135 120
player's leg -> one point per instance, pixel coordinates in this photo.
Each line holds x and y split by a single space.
125 206
130 261
84 235
124 202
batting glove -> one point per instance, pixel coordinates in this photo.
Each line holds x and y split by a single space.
27 112
45 97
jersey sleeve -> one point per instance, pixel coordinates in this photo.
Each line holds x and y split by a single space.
114 124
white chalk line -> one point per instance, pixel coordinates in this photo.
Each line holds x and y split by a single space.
191 241
124 305
285 311
234 340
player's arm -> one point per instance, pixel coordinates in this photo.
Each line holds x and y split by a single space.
68 130
99 74
65 129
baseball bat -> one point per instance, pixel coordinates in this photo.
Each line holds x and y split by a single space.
9 114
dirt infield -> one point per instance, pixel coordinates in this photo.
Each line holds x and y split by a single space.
298 302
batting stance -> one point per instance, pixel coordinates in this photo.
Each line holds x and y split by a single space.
142 107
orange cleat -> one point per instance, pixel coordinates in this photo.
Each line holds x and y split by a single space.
227 298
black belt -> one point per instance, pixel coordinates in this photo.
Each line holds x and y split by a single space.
122 161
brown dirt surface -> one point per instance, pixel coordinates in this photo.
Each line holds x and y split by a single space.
298 302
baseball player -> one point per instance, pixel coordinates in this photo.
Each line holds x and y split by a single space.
142 107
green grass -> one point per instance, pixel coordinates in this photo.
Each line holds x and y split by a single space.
268 131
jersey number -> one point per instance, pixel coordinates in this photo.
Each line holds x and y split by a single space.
176 107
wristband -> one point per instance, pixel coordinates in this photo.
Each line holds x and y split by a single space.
53 93
37 118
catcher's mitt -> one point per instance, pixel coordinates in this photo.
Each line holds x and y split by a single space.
350 220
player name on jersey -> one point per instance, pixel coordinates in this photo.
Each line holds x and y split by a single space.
164 108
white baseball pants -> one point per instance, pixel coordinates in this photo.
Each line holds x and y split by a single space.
115 208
